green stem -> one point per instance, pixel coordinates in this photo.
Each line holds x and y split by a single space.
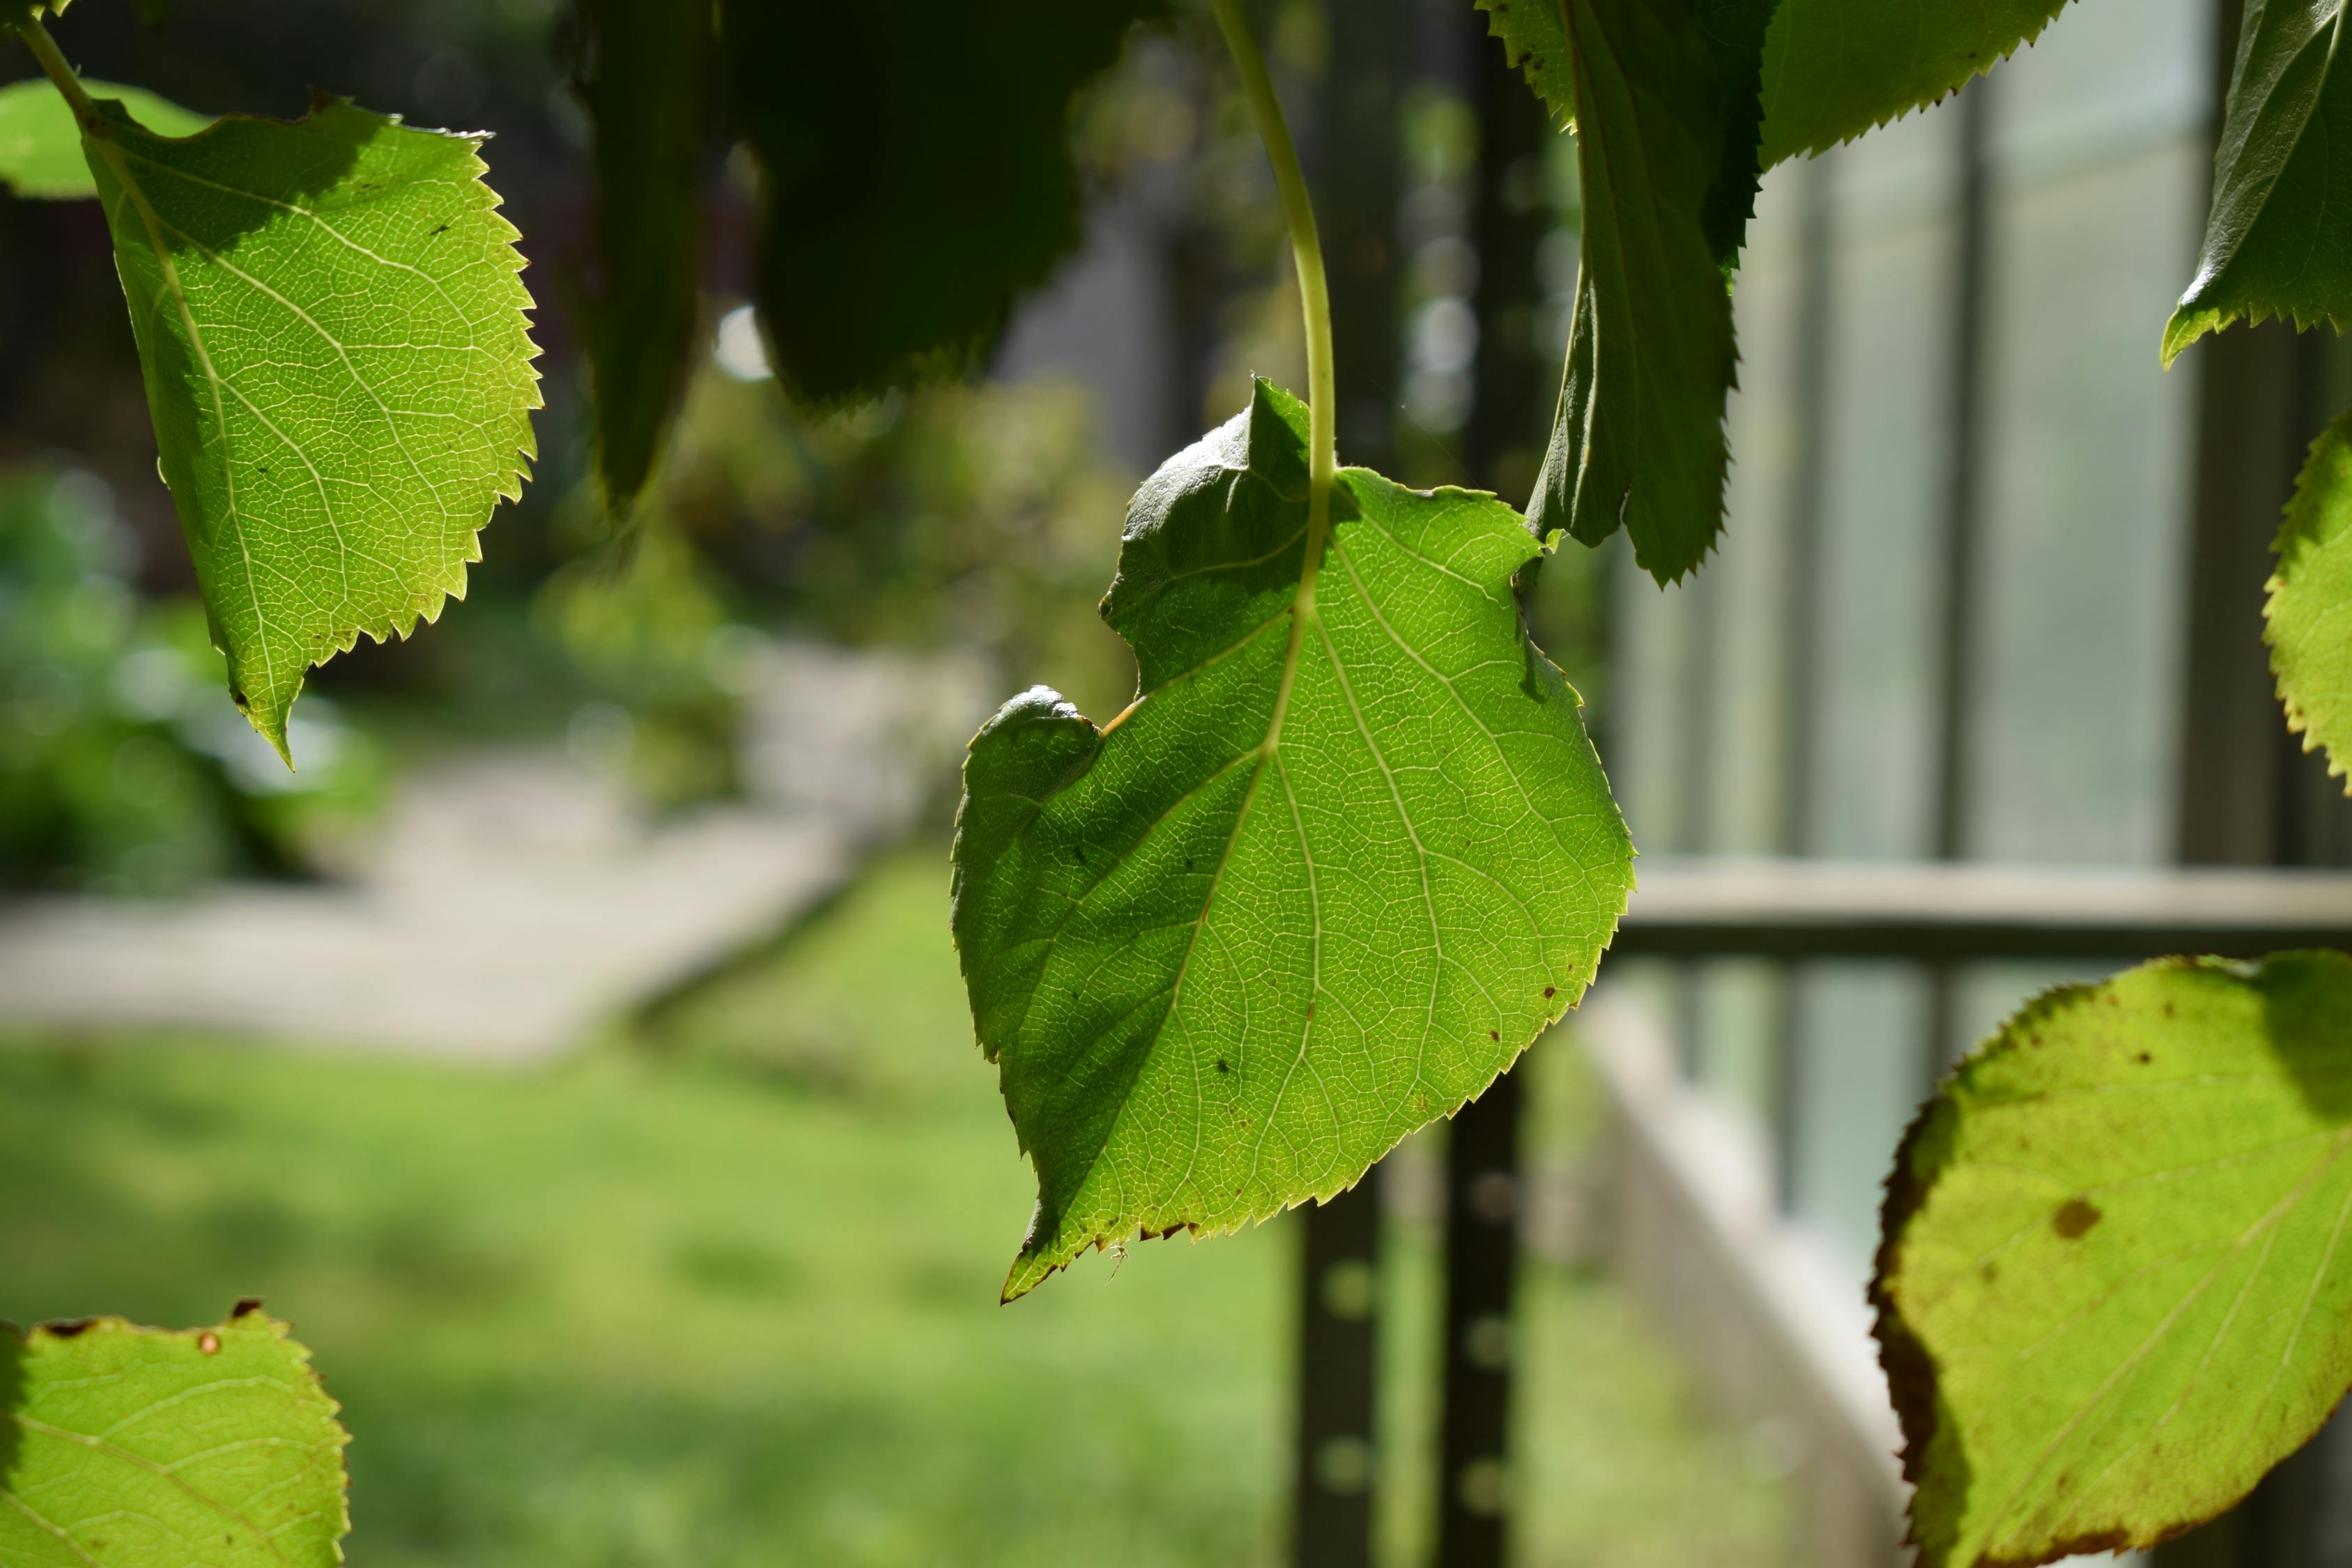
1314 293
44 49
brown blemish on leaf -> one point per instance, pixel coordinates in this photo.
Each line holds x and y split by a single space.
246 1307
2073 1218
68 1328
208 1342
1550 992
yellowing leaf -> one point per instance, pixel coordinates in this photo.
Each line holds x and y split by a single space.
2116 1282
331 323
1346 855
130 1448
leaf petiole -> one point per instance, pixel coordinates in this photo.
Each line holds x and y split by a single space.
1315 302
53 62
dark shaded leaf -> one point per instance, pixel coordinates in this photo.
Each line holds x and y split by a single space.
1834 68
1668 118
2279 239
917 169
650 60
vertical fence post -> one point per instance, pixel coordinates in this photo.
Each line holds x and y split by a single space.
1338 1345
1336 1468
1502 447
1482 1184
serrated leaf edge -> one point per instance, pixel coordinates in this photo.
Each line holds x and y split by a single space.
1816 148
241 1320
1027 1273
1909 1368
427 603
2295 539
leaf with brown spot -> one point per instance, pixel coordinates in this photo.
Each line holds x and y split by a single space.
120 1446
2114 1291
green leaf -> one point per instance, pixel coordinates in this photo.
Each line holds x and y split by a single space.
2278 241
2308 618
646 102
917 171
1667 113
331 328
1535 40
1834 68
130 1448
1347 854
2114 1287
40 145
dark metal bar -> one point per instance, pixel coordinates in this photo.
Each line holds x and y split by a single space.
1481 1183
1500 443
1338 1452
1337 1460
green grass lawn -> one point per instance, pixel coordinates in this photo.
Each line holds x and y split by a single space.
722 1291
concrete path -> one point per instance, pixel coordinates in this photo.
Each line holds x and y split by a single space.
514 898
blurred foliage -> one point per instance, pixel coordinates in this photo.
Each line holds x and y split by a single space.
981 516
120 766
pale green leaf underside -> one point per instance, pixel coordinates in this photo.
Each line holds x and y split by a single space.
2116 1286
331 322
2278 241
130 1448
1834 68
40 144
1327 877
2309 614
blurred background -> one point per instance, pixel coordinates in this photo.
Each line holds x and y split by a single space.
574 1050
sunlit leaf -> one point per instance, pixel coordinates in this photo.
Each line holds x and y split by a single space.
1344 858
2278 241
2309 614
1833 68
917 171
331 323
130 1448
646 104
1667 112
2115 1286
40 144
